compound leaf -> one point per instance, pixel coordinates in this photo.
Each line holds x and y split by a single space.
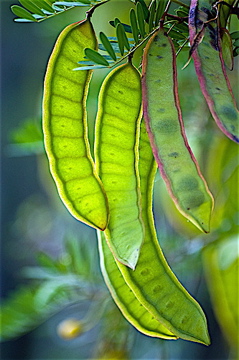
108 47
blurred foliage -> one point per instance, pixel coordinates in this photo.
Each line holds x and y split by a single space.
26 139
28 132
56 284
221 263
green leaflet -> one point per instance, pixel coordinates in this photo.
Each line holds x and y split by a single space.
235 35
163 116
134 26
122 38
65 127
108 47
39 10
125 299
152 282
96 57
141 19
152 15
45 5
116 154
31 6
144 8
22 13
159 11
116 21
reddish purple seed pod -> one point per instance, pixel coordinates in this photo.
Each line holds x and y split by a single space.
210 69
164 122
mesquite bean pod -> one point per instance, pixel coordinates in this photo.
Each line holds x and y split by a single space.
164 122
65 127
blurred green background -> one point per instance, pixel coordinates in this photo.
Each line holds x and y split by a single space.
67 282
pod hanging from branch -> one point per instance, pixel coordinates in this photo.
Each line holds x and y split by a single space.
164 122
116 155
210 68
65 127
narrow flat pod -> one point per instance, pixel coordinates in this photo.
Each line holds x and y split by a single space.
153 282
124 297
65 127
116 154
163 117
211 71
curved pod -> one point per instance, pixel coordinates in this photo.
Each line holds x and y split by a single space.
65 127
164 122
211 72
116 154
153 282
125 299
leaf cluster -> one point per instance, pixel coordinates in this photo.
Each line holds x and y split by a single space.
39 10
143 21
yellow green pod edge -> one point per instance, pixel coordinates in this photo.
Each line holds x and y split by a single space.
116 155
132 309
65 127
153 282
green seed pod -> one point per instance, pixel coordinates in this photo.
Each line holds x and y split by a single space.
65 127
153 282
164 122
152 288
116 154
125 299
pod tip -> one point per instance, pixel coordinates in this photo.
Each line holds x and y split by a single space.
206 338
130 260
